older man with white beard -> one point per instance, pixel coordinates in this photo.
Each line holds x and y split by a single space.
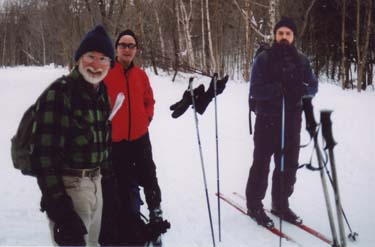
71 144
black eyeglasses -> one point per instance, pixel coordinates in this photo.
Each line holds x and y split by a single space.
125 45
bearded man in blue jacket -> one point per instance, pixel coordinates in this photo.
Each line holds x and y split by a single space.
280 78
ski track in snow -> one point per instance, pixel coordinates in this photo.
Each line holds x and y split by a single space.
179 171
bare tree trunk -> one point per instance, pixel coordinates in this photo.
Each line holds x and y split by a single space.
210 47
186 19
362 59
43 43
217 37
162 45
203 51
306 18
342 71
272 14
176 40
116 28
4 42
103 14
140 25
89 9
253 24
246 72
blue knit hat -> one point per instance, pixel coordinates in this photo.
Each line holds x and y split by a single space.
96 40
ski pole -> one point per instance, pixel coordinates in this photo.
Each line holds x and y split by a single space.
217 155
282 160
201 157
311 128
352 235
330 144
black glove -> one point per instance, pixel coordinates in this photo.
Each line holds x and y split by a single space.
69 229
203 101
309 115
220 86
155 228
69 234
157 224
181 106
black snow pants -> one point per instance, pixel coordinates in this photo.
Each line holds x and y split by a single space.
267 142
133 167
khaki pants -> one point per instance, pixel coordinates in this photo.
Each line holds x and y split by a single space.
86 194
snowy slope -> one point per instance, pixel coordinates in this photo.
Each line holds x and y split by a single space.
179 169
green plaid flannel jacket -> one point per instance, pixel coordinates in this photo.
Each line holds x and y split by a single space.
71 130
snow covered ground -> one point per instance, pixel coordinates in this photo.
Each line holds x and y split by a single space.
179 169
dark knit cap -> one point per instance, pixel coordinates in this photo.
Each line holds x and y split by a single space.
126 32
96 40
286 22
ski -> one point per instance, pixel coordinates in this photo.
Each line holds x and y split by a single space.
274 230
301 226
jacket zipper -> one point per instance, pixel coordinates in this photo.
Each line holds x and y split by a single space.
128 88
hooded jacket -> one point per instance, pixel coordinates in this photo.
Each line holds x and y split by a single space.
133 118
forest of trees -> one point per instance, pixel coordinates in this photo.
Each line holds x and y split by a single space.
202 36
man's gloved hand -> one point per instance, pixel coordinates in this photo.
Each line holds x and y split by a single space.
203 101
157 224
181 106
69 229
155 228
69 233
308 109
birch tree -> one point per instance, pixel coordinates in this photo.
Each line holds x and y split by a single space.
209 39
186 20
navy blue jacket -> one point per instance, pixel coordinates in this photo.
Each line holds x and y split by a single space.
267 90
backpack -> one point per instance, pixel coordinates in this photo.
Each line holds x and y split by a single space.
21 145
21 142
263 46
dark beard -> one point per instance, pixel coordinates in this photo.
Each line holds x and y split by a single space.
283 49
285 67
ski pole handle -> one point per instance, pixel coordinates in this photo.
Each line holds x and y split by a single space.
325 118
309 115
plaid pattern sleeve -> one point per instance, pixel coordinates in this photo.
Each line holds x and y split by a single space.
49 139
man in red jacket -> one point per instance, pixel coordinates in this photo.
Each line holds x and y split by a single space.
131 148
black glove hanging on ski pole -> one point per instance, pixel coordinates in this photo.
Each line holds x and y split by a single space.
181 106
202 98
203 101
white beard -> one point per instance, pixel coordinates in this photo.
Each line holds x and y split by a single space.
89 76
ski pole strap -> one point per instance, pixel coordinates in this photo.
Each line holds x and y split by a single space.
309 164
316 131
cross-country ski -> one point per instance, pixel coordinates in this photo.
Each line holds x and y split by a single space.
304 227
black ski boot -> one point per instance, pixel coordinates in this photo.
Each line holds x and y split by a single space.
260 217
287 215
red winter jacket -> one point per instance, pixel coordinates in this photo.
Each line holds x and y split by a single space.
133 118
